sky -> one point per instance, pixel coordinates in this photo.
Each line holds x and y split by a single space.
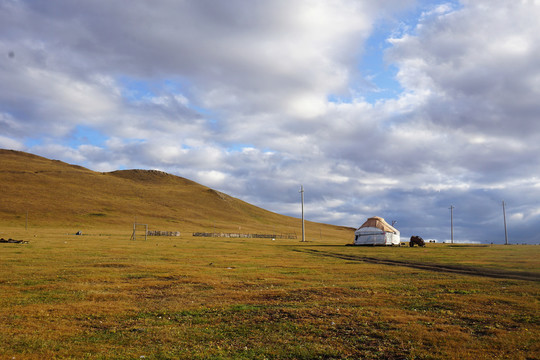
391 108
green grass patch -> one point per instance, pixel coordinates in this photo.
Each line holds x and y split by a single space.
93 297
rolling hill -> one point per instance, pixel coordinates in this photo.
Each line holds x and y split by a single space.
57 194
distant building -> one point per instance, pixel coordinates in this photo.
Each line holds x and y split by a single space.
376 231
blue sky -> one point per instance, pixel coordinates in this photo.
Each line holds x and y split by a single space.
392 108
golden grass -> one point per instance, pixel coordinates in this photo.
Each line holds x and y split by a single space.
101 295
55 194
98 297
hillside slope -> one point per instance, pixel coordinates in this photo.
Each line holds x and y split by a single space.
56 194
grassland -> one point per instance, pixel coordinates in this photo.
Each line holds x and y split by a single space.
101 295
105 296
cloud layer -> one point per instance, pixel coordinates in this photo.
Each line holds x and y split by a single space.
257 98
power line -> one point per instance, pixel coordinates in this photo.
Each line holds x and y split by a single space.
505 230
302 197
451 223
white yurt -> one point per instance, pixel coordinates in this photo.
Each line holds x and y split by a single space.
376 231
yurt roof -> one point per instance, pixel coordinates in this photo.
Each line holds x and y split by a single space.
379 223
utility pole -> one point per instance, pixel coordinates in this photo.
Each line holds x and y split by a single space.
302 197
451 224
505 230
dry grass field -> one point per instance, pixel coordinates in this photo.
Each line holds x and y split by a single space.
101 295
54 193
106 296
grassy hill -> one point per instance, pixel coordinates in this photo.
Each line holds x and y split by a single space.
56 194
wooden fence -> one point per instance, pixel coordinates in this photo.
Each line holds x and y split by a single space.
238 235
163 233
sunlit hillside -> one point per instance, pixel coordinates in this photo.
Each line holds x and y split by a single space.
51 193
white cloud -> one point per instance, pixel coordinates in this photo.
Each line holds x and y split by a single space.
11 144
215 91
213 178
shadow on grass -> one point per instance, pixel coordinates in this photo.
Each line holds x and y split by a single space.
456 269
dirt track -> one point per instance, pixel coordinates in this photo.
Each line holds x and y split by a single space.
457 269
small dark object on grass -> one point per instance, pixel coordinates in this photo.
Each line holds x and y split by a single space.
416 240
13 241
